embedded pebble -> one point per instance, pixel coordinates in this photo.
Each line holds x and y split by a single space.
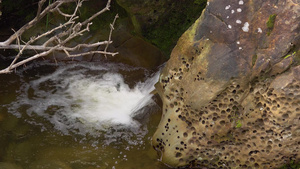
259 30
238 21
246 27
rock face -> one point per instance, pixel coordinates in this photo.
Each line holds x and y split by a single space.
156 20
231 89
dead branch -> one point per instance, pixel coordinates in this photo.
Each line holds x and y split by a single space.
110 33
69 30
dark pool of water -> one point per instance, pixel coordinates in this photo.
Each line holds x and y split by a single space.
29 140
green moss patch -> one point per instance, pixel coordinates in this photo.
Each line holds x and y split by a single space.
181 15
291 165
238 124
254 58
297 57
270 23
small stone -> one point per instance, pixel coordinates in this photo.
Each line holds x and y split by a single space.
259 30
245 28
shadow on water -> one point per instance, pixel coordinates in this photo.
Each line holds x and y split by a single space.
78 116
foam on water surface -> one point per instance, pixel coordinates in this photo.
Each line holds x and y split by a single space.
85 99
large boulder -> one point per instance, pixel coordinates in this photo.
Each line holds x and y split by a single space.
231 89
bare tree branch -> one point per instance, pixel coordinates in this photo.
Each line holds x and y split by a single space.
43 48
110 33
20 52
34 21
98 13
63 34
41 3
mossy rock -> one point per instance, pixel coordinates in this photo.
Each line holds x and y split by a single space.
162 22
270 23
230 100
291 165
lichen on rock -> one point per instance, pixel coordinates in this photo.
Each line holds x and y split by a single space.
230 98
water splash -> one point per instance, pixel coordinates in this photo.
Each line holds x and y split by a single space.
85 99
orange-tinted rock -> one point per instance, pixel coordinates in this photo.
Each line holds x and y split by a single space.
230 90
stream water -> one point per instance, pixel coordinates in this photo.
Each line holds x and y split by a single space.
78 116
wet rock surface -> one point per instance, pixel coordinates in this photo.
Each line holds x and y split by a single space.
231 89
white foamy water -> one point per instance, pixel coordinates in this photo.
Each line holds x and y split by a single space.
85 99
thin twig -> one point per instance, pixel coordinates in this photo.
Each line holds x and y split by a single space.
93 52
34 21
17 57
98 13
41 3
63 34
110 33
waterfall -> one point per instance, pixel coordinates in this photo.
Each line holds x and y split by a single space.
82 98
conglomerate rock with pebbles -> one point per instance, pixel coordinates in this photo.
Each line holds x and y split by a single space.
231 89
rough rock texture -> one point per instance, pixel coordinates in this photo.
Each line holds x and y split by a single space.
231 89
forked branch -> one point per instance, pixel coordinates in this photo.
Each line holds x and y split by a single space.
69 30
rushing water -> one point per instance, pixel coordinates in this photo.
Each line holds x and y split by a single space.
78 116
